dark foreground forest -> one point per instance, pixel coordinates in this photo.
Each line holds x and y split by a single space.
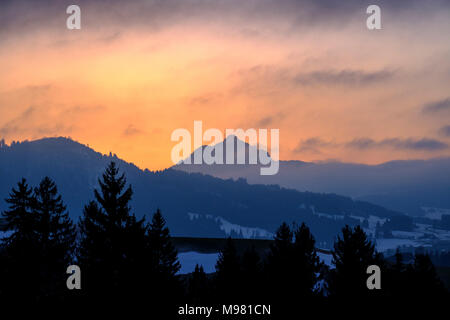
129 261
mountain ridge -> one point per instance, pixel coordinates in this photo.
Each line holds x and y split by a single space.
401 185
76 169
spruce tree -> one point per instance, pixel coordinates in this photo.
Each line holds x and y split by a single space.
352 254
293 263
164 262
279 267
396 277
251 263
165 256
114 247
227 271
251 275
306 262
198 286
20 216
56 228
19 249
423 279
41 246
56 236
282 246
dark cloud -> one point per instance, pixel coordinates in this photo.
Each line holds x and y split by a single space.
30 15
131 130
437 106
361 143
445 131
424 144
78 110
266 121
46 120
31 92
427 144
313 145
15 125
343 77
25 123
265 80
204 99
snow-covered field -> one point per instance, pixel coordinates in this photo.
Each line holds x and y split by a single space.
228 227
189 259
423 235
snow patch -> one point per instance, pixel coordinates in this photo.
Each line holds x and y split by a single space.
326 215
228 227
435 213
5 234
190 259
326 258
193 216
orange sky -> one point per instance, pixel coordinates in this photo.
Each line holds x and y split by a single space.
128 78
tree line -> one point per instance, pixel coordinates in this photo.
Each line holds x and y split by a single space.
126 259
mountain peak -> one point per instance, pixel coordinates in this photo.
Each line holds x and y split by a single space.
48 145
235 142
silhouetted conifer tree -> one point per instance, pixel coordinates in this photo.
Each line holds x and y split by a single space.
56 237
114 248
252 276
41 247
414 282
395 277
423 280
20 217
293 263
164 259
352 254
227 271
16 277
279 268
164 253
306 262
198 286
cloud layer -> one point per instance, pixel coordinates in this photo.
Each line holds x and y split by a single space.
316 144
138 70
437 106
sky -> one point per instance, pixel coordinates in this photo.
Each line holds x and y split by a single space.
138 70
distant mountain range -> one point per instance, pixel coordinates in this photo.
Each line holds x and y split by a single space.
410 186
193 204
